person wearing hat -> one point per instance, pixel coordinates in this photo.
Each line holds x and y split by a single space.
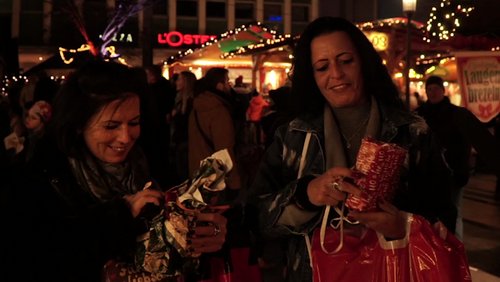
457 131
20 147
38 116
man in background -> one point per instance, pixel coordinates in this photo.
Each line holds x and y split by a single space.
457 131
211 124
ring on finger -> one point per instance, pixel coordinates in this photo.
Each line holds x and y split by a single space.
337 186
337 183
216 230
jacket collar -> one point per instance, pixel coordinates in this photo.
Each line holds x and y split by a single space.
391 119
429 106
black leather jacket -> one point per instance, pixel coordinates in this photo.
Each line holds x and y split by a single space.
424 186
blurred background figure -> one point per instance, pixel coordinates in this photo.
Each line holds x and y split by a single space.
240 87
415 101
278 113
258 105
211 124
36 121
21 142
38 116
457 131
159 100
185 87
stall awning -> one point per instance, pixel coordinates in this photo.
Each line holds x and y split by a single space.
213 51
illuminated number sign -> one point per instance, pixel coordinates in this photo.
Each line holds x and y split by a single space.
379 40
177 39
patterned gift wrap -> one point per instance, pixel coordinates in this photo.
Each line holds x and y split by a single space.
164 249
154 253
377 171
117 271
178 223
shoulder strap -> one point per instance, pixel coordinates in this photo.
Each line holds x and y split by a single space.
299 175
304 154
203 134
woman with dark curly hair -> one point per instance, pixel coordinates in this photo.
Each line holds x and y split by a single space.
342 93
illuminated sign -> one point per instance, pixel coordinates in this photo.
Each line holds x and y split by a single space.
379 40
68 54
121 37
177 39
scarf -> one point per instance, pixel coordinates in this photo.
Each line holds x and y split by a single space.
337 153
105 181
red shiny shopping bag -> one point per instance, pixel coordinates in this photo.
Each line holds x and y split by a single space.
427 253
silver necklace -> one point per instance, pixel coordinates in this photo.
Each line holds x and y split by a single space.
355 133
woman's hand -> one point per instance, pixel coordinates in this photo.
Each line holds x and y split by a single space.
210 233
322 191
389 221
138 200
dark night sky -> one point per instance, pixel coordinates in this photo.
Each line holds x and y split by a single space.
484 20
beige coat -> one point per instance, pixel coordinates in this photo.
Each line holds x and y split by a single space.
214 116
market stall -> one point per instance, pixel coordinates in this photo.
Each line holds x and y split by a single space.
261 71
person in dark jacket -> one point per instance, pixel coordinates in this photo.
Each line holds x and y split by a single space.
342 92
156 105
79 202
278 113
186 87
457 131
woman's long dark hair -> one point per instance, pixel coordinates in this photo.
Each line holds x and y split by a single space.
84 94
306 95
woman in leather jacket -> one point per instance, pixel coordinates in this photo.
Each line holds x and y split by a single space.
342 92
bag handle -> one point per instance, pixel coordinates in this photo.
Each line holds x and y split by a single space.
302 163
340 226
325 213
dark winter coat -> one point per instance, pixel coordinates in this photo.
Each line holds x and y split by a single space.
58 231
457 131
424 186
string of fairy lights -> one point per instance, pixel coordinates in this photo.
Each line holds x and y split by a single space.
442 24
6 83
257 46
388 23
9 82
264 41
445 19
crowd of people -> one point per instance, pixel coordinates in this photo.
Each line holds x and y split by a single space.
76 157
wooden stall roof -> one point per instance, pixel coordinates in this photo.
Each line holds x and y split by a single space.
219 48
